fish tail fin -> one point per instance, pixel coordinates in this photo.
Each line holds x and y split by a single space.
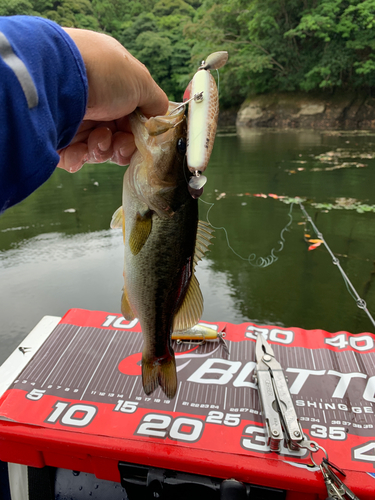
168 377
159 371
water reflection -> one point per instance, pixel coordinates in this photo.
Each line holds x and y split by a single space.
251 137
52 260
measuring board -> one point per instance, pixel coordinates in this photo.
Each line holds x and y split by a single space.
79 404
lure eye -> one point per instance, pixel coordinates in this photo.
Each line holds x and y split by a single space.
181 146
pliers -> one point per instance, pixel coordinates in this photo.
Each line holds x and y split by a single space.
278 410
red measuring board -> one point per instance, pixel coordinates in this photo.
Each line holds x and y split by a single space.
79 404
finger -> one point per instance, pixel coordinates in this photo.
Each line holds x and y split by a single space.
100 145
123 148
73 157
87 126
123 124
153 100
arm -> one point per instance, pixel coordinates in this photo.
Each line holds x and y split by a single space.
38 59
62 64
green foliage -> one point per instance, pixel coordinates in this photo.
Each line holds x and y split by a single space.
156 38
288 45
176 7
343 38
283 45
15 7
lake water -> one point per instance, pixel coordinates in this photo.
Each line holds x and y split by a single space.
57 251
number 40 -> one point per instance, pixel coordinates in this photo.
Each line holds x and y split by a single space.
359 343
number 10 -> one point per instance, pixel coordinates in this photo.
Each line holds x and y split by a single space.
76 415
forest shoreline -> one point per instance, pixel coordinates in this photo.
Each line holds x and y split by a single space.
297 110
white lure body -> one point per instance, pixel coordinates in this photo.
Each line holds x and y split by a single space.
202 120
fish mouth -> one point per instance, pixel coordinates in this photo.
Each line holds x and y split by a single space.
176 109
157 125
158 133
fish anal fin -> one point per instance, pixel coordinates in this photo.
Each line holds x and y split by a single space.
126 310
191 309
117 218
159 371
140 232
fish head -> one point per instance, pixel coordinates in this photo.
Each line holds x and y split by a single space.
158 169
161 140
162 145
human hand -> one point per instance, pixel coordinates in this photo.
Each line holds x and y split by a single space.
118 83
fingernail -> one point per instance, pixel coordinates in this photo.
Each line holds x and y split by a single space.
103 146
123 152
77 167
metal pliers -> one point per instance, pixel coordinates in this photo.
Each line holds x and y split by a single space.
281 421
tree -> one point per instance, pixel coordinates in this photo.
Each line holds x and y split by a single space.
16 7
283 45
343 37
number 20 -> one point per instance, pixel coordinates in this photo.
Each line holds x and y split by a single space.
159 426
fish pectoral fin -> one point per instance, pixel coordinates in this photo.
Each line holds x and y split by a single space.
191 309
204 235
126 310
140 232
117 218
161 372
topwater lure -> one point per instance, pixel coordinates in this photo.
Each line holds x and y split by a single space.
203 98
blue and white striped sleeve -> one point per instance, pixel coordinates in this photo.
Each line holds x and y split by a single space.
43 97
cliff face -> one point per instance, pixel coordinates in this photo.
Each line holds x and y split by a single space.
338 111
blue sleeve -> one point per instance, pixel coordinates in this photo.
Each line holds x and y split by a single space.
43 97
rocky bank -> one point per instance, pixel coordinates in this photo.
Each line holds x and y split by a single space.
336 111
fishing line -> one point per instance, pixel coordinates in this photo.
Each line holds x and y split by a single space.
252 259
361 303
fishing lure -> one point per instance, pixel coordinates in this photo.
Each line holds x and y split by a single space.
202 117
200 334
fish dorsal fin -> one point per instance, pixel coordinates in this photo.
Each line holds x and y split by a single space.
117 217
140 232
204 236
191 309
126 310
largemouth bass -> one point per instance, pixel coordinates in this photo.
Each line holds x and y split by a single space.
163 242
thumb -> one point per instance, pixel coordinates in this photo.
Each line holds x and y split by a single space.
154 101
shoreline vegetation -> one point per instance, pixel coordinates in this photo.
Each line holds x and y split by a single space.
292 63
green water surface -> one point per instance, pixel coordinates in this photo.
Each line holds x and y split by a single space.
52 260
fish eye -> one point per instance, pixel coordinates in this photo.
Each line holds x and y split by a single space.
181 145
